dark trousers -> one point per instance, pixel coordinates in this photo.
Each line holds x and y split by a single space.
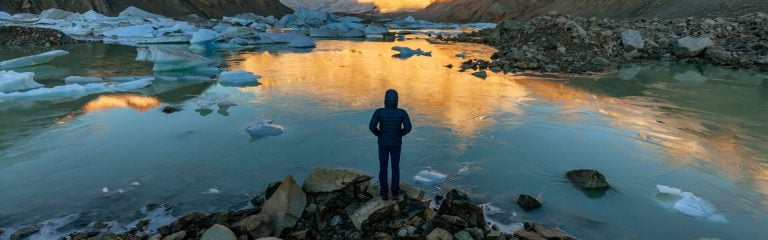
385 154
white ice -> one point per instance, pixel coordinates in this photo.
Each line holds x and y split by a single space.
144 30
264 128
5 15
32 60
132 85
79 79
302 42
165 39
138 13
689 204
375 29
430 177
169 59
11 81
58 14
406 52
92 16
204 37
239 77
77 90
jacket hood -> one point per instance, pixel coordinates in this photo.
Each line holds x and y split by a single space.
390 99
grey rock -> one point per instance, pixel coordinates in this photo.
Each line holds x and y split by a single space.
527 202
412 192
458 204
218 232
372 211
25 232
495 235
332 179
286 205
480 74
528 235
180 235
403 232
257 226
463 235
587 179
600 61
690 47
476 233
632 40
718 56
439 234
551 233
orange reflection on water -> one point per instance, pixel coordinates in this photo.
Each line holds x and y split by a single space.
399 5
354 75
105 102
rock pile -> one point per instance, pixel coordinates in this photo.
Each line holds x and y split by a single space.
337 203
563 43
27 36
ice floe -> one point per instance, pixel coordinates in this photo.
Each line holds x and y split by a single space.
144 30
689 204
302 42
5 15
430 177
263 129
78 90
239 77
11 81
32 60
204 37
406 52
79 79
169 59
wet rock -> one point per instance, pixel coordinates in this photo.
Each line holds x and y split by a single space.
480 74
218 232
587 179
439 234
256 226
551 233
286 205
373 211
180 235
332 179
527 202
271 188
632 40
690 47
529 235
188 222
172 109
495 235
458 204
25 232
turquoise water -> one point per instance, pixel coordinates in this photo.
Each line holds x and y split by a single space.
701 129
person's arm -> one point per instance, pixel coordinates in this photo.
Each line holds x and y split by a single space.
406 124
374 124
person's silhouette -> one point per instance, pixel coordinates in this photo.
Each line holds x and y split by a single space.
390 124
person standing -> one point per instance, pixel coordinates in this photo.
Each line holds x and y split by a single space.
390 124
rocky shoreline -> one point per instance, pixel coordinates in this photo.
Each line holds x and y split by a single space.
562 43
14 36
334 203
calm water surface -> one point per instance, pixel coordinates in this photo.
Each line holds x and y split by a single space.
701 129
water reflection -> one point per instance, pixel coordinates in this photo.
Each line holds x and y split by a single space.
138 102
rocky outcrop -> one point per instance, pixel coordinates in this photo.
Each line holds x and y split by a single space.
587 178
170 8
27 36
497 10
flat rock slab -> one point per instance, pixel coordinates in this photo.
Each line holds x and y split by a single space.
588 179
286 205
373 211
332 179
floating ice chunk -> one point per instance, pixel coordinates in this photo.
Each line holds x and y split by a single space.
133 85
144 30
692 205
264 128
11 81
92 16
430 177
238 77
406 52
79 79
126 79
169 59
32 60
137 12
213 190
182 27
105 189
271 38
302 42
5 15
204 36
375 29
135 183
64 91
165 39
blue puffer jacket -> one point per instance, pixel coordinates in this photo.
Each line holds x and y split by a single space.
390 123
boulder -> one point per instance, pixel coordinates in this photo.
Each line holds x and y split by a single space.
180 235
463 235
480 74
529 235
527 202
587 179
285 206
718 56
600 61
458 204
332 179
495 235
690 47
218 232
259 225
632 40
373 211
439 234
412 192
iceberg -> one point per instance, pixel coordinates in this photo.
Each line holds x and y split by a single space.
137 13
375 29
406 52
11 81
131 31
32 60
132 85
64 91
5 15
204 37
58 14
430 177
239 77
81 80
92 16
302 42
169 59
182 27
165 39
263 129
689 204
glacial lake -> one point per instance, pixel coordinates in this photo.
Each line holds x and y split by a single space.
698 128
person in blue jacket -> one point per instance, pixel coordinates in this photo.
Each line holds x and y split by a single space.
390 124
